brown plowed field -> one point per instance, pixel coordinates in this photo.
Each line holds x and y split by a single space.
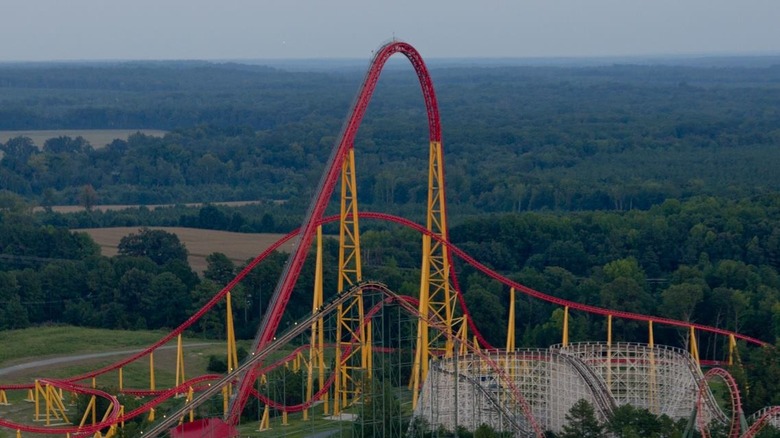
237 246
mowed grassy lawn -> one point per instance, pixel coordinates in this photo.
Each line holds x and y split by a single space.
18 347
24 346
33 344
39 342
239 247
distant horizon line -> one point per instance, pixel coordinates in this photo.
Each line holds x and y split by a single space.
433 58
328 63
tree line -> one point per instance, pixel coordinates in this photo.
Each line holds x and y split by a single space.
516 138
705 260
640 188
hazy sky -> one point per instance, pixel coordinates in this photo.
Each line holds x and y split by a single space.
233 29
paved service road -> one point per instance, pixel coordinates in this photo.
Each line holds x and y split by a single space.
43 363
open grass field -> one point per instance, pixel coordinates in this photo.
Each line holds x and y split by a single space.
65 351
40 342
200 243
318 423
28 345
32 345
98 138
25 346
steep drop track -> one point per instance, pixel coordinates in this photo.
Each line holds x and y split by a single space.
292 269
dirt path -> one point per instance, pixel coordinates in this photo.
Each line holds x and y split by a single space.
47 363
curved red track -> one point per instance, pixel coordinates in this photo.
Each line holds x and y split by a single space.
324 191
160 396
762 421
736 402
113 418
314 218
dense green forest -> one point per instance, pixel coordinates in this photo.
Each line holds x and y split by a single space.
563 138
705 260
647 188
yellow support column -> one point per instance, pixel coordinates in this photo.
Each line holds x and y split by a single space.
54 405
694 347
47 400
650 336
732 348
436 297
179 361
421 354
265 421
232 351
510 335
317 346
41 392
463 338
350 314
60 404
36 400
3 398
121 382
654 407
510 331
151 371
105 417
190 394
565 326
90 410
112 431
297 362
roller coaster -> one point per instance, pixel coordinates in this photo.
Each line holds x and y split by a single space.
367 340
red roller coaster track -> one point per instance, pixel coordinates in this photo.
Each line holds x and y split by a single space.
161 396
295 263
736 402
281 296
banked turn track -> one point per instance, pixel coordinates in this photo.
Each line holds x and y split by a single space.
248 372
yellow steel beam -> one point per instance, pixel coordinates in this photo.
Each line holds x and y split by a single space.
436 296
350 332
316 350
694 346
510 331
179 360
